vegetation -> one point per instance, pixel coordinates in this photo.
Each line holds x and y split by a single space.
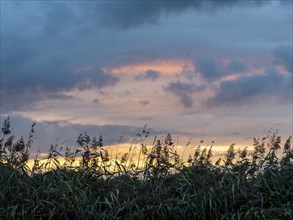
242 185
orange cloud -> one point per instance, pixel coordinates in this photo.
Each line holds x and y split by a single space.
162 66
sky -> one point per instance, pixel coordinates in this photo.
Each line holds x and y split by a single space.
201 69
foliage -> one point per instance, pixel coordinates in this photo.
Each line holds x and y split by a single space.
256 185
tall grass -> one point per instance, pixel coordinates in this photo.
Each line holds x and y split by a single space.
87 183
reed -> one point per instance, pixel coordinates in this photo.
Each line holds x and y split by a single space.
257 185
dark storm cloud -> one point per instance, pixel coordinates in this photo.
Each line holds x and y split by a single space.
23 86
41 55
184 91
148 75
135 13
26 100
58 17
33 64
284 56
209 68
253 89
212 69
236 66
42 43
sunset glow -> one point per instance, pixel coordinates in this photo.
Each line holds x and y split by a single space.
162 66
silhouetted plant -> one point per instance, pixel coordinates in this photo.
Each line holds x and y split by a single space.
15 153
255 185
287 153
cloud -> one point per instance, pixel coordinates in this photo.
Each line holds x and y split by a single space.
96 101
40 61
236 66
144 102
209 68
148 75
64 133
283 55
47 132
49 70
184 91
56 38
18 100
185 99
212 69
24 86
136 13
252 89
